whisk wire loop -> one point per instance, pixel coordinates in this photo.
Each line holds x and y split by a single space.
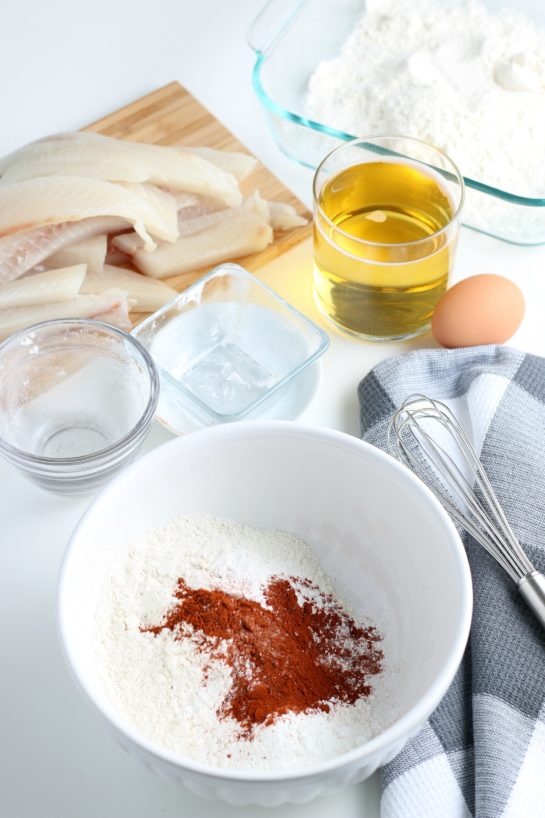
487 533
452 470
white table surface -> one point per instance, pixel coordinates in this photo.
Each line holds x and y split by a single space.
65 64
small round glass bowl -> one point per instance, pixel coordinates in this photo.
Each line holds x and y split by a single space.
77 398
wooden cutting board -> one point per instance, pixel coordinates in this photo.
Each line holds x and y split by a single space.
172 116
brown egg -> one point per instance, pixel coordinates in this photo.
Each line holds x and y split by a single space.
483 309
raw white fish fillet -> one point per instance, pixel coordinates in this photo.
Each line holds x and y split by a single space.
259 206
188 227
235 162
55 199
43 288
146 294
238 163
280 215
240 233
117 160
201 206
284 216
21 252
191 204
117 316
184 200
191 220
163 203
116 258
113 303
91 252
195 218
10 158
129 243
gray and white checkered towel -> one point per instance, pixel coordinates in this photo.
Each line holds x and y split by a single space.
482 752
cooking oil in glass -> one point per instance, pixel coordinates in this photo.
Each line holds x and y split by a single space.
382 247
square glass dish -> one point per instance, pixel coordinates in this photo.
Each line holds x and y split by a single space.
227 348
291 37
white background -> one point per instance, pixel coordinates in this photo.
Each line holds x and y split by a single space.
65 64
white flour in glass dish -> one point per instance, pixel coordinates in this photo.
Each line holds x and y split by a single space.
169 691
469 81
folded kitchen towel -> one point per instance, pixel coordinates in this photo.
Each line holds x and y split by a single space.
482 752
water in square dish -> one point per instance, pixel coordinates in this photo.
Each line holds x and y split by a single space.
225 347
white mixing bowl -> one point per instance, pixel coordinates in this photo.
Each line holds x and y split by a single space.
377 531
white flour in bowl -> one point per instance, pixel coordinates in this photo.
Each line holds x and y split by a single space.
170 691
469 81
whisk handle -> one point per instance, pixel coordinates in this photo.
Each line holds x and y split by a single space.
532 589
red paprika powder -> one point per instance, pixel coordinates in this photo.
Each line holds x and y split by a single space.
300 652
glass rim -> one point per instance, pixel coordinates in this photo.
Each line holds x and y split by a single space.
123 443
377 138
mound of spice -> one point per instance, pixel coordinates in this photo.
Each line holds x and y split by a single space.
300 652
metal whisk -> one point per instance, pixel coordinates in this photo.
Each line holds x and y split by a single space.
426 436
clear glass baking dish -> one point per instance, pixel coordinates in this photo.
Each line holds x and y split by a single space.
290 38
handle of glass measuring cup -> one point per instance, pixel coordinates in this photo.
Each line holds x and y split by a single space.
271 22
